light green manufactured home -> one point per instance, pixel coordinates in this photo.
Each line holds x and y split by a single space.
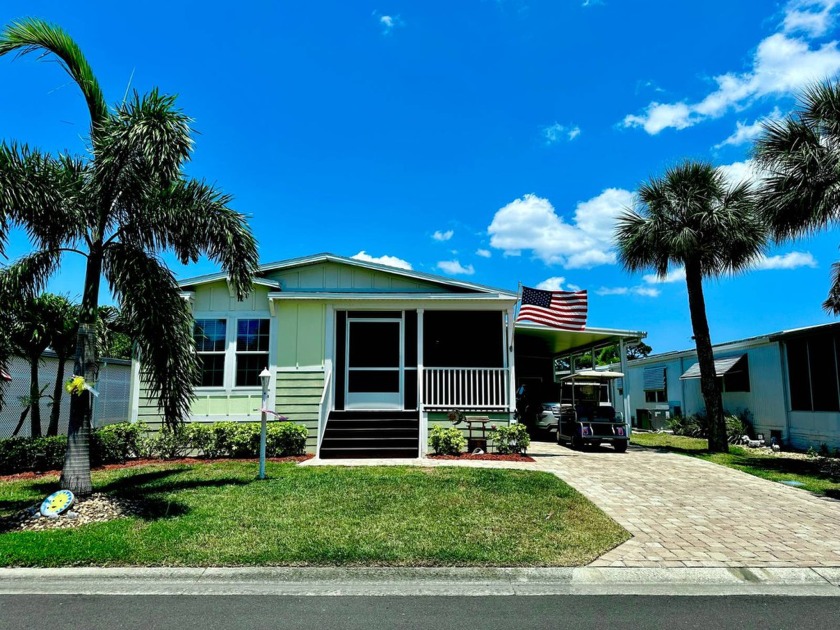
366 356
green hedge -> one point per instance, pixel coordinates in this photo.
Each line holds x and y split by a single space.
117 443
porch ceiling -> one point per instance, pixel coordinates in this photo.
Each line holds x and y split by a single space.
555 342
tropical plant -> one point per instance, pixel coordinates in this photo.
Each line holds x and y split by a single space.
800 160
691 217
120 208
33 322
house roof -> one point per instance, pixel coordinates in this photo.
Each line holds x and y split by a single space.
746 342
363 264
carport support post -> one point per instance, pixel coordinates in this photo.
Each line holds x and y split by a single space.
510 362
622 353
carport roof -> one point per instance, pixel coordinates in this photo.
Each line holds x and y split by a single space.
558 342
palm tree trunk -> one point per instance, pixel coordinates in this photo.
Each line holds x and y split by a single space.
34 398
58 392
76 473
706 358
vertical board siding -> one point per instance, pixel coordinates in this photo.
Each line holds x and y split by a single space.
298 397
301 334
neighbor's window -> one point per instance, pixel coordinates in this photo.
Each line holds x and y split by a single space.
812 373
656 390
251 351
210 336
738 378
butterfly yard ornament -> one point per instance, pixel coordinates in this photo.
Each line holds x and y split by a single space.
77 385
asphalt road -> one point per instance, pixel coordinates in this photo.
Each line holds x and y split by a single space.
439 613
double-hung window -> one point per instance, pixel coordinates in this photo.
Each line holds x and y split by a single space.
251 351
210 337
231 352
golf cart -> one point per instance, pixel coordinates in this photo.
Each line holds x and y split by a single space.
584 414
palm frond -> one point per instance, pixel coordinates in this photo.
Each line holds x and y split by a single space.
33 35
27 276
41 194
159 320
691 214
801 153
191 218
832 302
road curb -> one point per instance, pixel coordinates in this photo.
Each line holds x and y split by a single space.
463 582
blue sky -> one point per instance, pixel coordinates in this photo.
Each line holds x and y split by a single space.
489 140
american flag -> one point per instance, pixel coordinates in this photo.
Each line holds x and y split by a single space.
558 309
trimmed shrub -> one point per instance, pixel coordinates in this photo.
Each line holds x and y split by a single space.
447 440
22 453
284 439
116 443
511 439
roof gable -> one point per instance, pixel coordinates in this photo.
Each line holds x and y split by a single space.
330 273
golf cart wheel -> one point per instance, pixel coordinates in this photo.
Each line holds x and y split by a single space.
620 447
577 443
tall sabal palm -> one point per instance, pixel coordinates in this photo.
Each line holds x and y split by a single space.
691 217
120 209
800 156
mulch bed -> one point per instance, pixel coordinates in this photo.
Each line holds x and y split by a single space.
145 462
493 457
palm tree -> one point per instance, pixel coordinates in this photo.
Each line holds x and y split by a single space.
690 217
800 156
120 209
31 331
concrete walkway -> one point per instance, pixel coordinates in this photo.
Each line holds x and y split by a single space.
685 512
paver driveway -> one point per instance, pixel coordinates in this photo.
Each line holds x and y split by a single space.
688 512
685 512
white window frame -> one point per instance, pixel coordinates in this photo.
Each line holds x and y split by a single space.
231 326
236 353
213 352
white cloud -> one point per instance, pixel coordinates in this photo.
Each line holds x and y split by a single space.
531 223
454 268
388 22
675 275
557 133
782 65
391 261
552 284
643 291
748 132
739 172
791 260
443 236
484 253
813 17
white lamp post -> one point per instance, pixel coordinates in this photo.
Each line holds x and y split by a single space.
265 377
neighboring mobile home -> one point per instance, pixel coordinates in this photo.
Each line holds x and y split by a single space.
367 356
787 380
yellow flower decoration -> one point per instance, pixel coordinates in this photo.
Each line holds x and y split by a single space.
75 385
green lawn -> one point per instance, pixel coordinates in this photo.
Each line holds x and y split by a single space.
219 515
772 467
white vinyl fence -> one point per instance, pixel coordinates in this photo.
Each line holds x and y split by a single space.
111 406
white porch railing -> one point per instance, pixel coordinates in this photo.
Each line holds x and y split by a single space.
466 388
324 407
